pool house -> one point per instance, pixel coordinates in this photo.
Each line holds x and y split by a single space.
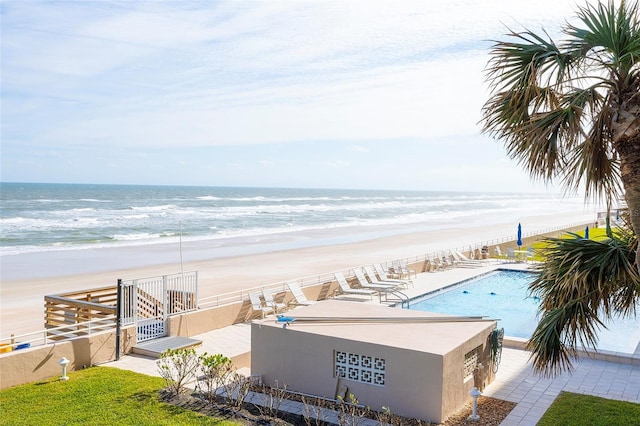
419 364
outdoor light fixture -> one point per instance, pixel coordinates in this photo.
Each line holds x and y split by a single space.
475 393
63 363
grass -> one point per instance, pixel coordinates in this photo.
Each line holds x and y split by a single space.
578 410
596 234
96 396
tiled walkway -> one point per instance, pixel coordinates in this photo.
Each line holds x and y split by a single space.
514 381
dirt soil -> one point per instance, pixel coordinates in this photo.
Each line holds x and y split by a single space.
491 411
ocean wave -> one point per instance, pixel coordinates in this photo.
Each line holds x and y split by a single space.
86 220
12 220
79 210
134 236
136 216
154 208
30 224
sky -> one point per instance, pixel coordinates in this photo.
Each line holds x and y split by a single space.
278 93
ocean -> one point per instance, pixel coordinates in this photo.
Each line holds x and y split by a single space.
51 217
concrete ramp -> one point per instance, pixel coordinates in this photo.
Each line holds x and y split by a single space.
153 348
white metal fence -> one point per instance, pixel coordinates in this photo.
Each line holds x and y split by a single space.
147 302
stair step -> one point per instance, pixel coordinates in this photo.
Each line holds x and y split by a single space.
153 348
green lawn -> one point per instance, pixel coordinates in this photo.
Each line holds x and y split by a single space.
96 396
571 409
538 247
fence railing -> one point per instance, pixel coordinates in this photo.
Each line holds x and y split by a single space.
49 335
64 311
243 295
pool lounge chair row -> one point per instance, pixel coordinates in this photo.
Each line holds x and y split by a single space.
371 280
453 259
370 285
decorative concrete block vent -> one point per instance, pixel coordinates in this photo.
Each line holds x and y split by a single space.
360 368
419 364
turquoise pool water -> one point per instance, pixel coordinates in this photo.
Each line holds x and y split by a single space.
503 295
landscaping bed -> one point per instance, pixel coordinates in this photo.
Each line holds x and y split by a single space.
491 411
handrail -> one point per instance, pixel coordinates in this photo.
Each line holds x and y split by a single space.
71 330
167 276
82 303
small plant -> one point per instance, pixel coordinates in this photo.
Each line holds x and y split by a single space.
350 413
216 370
496 337
236 389
272 399
177 367
314 411
384 416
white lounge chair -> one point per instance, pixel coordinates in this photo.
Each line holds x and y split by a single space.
299 298
462 261
436 264
382 275
464 258
446 261
375 285
530 255
345 288
430 265
405 271
511 255
256 305
270 301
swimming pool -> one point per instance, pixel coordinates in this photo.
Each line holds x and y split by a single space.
503 295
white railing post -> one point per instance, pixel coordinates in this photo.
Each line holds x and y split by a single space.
196 292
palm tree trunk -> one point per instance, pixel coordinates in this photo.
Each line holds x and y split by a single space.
630 174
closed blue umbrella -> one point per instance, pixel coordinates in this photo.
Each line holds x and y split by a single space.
586 233
519 242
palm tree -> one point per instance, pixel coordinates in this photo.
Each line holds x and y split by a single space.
570 112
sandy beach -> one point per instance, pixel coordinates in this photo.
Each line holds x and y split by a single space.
27 278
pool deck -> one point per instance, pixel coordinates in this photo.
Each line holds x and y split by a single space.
614 376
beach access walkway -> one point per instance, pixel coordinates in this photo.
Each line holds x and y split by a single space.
515 381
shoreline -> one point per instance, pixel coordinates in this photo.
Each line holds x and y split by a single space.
230 268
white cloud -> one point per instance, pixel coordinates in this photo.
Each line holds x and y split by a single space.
172 76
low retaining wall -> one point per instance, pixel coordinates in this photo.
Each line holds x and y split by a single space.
41 362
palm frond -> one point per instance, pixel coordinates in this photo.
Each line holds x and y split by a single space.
612 32
518 64
581 283
554 105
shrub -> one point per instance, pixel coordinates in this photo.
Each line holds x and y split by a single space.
216 371
177 367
